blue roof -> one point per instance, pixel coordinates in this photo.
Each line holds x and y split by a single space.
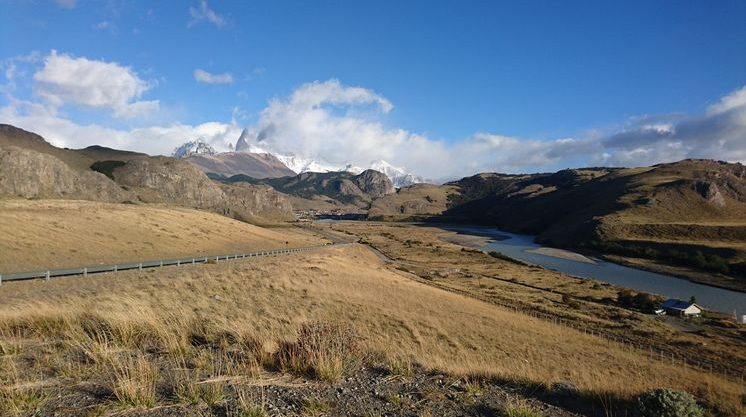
676 304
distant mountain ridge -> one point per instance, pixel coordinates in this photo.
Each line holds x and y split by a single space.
342 188
256 165
299 164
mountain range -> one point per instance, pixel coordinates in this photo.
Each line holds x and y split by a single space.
686 218
400 177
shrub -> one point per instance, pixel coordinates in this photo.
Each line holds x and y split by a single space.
640 301
665 402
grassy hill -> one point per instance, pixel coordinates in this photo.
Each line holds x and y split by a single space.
195 337
690 214
63 233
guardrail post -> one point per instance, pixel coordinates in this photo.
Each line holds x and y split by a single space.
85 272
161 264
140 266
115 268
178 262
1 280
46 278
194 261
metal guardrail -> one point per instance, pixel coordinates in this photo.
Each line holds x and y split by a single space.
98 269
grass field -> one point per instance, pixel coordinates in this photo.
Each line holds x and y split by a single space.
188 335
591 304
144 323
60 233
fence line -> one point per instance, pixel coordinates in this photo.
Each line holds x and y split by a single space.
98 269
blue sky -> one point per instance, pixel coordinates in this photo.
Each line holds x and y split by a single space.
527 86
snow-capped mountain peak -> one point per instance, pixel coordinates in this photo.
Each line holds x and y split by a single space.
194 147
300 164
399 176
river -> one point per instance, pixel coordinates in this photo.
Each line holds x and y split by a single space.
522 247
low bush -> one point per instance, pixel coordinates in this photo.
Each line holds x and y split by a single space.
665 402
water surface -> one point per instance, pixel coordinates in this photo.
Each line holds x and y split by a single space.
518 246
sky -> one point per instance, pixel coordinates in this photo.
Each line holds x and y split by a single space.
442 88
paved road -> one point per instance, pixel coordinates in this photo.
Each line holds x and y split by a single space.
96 269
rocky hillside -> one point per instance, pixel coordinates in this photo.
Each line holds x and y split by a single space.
228 164
689 214
77 159
174 181
340 187
30 167
30 174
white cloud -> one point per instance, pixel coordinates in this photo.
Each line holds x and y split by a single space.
321 120
202 13
156 140
734 100
338 124
66 4
206 77
66 80
719 133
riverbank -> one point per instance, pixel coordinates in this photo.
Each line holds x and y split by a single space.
711 279
421 253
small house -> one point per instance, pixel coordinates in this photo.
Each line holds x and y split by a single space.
681 308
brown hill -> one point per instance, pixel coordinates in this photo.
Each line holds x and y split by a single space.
30 174
690 213
174 181
228 164
78 159
339 189
30 167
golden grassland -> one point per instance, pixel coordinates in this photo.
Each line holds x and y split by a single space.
133 330
61 233
427 254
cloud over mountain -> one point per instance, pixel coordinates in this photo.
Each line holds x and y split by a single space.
338 124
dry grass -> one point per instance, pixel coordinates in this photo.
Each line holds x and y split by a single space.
422 254
61 233
521 409
324 350
202 320
134 381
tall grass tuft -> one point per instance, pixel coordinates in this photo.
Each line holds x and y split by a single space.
324 350
134 381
